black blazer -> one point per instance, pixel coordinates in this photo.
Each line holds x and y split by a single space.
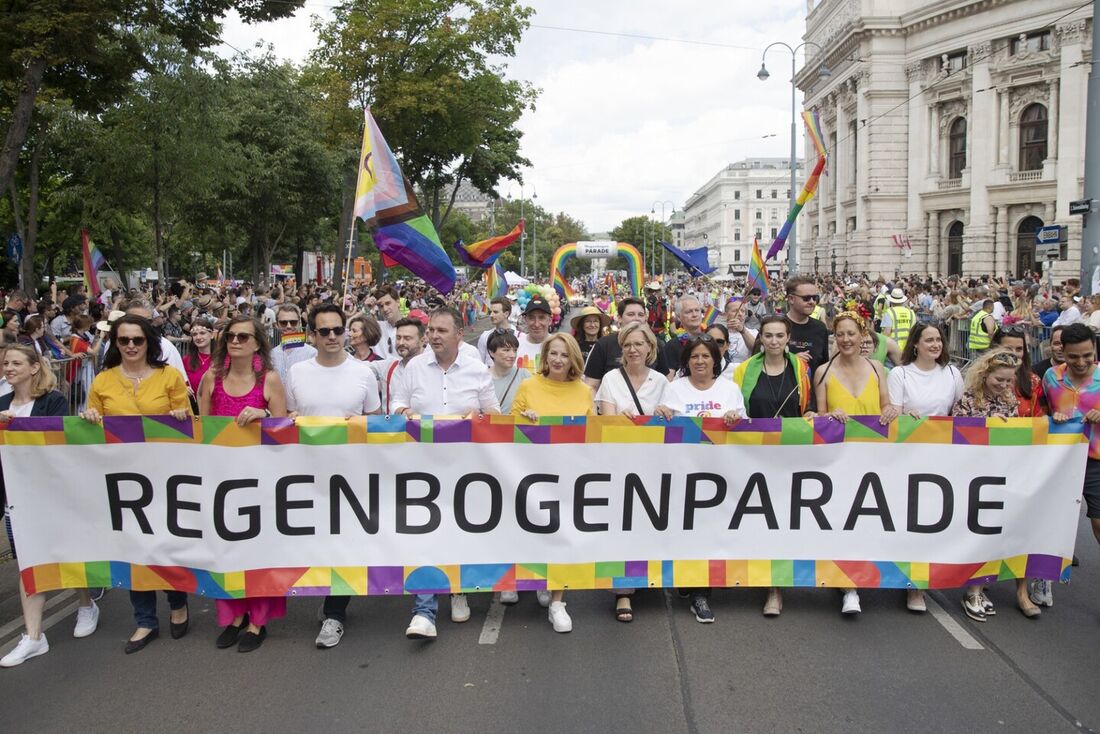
52 403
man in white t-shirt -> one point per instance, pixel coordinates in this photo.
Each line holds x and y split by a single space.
409 342
444 380
537 316
289 353
331 384
500 309
389 303
742 338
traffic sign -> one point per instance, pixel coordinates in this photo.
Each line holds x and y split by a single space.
1047 251
1081 206
1050 234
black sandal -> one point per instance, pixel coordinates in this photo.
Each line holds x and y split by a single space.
623 614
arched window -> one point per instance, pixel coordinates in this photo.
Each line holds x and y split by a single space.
1033 137
1025 245
956 147
955 248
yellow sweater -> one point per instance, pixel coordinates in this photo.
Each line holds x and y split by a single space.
551 397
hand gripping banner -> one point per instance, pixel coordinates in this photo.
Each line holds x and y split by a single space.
387 506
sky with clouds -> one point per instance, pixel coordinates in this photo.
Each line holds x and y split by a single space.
624 121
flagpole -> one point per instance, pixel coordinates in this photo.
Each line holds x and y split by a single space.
347 259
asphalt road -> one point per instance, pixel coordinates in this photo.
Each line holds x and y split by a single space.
809 670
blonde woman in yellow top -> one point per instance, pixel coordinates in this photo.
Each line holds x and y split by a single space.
557 389
851 384
137 381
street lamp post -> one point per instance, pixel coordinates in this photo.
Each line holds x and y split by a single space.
762 75
653 210
522 236
534 237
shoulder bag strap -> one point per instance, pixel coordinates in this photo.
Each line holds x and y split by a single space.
626 379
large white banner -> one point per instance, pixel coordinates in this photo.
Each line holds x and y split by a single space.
594 512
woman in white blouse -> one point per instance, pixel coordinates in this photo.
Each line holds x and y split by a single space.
924 384
635 388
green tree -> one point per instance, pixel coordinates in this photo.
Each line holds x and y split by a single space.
87 51
644 233
424 69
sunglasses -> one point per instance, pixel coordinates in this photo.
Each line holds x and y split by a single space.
721 342
815 298
238 336
289 323
125 341
1014 330
337 330
702 338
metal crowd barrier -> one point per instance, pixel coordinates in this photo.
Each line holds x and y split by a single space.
958 340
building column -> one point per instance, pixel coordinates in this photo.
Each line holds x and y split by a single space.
840 160
914 217
1002 129
978 243
933 261
1004 256
1052 122
1074 39
934 143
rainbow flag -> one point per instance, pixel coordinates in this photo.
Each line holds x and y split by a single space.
93 263
385 201
710 316
758 272
495 284
813 128
609 281
485 253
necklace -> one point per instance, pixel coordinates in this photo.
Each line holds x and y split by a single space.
774 391
136 378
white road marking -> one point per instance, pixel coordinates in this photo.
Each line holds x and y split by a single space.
17 623
46 624
949 623
494 619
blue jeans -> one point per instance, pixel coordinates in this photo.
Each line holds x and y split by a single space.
426 605
145 606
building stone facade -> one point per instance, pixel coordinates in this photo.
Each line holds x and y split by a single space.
959 124
744 200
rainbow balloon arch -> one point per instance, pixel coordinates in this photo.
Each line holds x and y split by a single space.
635 266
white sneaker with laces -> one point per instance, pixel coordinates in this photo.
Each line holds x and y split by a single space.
26 649
544 598
851 602
559 617
87 619
421 628
460 608
330 634
509 597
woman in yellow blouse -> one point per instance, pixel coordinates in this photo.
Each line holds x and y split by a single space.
136 381
556 390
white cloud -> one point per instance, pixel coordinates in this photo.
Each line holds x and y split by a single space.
623 122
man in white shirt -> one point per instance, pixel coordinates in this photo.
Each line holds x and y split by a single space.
331 384
1071 314
500 309
409 342
536 317
171 355
742 338
287 354
389 304
444 380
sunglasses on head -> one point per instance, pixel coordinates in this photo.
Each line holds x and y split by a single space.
137 341
1014 330
702 338
238 336
337 330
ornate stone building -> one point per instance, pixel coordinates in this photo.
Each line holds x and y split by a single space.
959 124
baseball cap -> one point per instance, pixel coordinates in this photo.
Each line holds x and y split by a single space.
538 303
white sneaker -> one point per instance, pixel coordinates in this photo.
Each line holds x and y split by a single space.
559 617
331 633
851 602
544 597
87 619
27 648
421 628
460 608
509 597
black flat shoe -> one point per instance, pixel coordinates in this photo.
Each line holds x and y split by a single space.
230 635
180 629
133 646
250 640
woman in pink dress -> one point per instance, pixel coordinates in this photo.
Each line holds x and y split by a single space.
197 360
242 385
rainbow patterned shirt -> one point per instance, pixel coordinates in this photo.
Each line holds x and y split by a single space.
1063 397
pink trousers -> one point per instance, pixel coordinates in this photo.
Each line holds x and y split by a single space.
260 609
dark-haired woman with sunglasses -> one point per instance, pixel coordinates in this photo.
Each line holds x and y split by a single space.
242 384
137 381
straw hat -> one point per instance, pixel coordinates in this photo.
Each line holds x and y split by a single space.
111 318
587 311
897 296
